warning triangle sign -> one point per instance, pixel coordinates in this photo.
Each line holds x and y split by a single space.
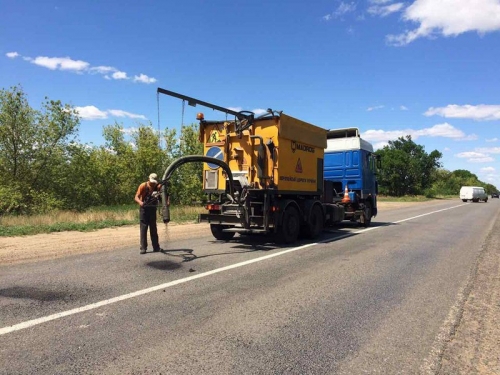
298 167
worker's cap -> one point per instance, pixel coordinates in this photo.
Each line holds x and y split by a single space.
153 177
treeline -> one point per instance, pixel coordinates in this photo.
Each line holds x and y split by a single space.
408 170
43 166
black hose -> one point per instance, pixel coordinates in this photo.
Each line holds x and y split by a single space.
189 159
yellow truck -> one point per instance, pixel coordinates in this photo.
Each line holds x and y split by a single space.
266 175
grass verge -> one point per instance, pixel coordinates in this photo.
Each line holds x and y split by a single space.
93 219
412 198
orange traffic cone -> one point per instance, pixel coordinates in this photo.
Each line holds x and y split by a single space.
346 195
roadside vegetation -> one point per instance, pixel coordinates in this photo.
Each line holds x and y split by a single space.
411 198
50 181
92 219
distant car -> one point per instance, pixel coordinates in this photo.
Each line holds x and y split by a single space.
495 195
473 193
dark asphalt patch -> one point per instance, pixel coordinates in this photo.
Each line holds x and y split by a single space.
34 294
164 265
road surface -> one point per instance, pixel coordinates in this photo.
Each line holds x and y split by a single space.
384 300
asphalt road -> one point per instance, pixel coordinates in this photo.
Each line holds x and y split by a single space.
376 301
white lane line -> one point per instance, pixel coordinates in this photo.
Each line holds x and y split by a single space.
34 322
430 213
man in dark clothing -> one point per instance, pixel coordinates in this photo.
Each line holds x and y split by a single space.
147 197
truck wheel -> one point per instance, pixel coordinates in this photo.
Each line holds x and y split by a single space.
368 212
219 234
464 200
315 223
290 228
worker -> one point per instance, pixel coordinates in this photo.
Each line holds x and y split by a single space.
147 196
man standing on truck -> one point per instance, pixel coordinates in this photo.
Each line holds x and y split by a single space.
147 197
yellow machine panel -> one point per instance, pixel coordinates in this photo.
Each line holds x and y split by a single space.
282 152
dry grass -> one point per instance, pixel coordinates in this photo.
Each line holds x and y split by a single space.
98 218
58 217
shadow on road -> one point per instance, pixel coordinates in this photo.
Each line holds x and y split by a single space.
251 242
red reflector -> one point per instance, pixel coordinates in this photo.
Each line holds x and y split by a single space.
213 207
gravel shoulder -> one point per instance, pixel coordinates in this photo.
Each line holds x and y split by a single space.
474 346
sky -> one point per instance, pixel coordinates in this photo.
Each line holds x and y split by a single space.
425 68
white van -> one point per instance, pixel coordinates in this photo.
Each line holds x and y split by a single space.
473 193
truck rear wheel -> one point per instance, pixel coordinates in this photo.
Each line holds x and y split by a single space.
368 213
219 234
315 224
289 230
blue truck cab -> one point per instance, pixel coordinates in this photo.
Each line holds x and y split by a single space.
351 165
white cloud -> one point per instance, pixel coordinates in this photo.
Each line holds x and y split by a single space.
379 1
120 113
488 170
489 150
475 157
80 66
342 9
383 135
448 18
492 140
102 69
257 111
91 112
487 159
61 63
440 130
144 79
481 112
403 108
471 154
385 10
119 75
445 130
369 109
379 145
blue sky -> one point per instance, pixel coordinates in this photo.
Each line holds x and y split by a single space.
429 68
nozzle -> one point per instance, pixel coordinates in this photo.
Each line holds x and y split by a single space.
165 209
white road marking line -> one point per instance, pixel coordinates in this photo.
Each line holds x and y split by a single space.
430 213
34 322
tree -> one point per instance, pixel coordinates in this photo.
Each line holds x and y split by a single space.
406 168
465 175
33 149
186 183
